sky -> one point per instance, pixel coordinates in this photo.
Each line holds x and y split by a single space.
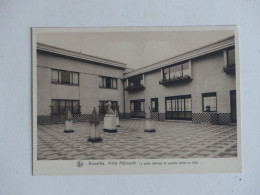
136 49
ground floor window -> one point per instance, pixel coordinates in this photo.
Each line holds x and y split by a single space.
103 106
178 107
137 108
60 107
154 104
209 102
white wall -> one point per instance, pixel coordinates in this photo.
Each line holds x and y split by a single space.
207 77
88 92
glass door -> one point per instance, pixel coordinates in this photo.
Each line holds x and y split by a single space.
137 108
233 106
178 107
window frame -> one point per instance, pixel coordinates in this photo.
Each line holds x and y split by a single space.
111 80
169 70
156 105
178 105
59 107
59 82
228 63
135 81
210 94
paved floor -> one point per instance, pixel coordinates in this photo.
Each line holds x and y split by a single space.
171 140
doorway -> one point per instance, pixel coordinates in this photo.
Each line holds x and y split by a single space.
233 104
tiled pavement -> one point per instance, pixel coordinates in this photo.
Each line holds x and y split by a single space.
171 140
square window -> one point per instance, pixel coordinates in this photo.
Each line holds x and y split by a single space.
209 102
107 82
64 77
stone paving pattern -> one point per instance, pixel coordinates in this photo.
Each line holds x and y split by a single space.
171 140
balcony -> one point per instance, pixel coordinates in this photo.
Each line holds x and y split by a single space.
176 80
230 69
134 88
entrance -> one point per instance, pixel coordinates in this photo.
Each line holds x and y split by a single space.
178 107
137 108
233 106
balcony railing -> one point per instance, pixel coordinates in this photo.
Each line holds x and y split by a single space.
134 88
62 110
176 80
230 69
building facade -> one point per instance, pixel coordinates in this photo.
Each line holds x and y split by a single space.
74 81
197 86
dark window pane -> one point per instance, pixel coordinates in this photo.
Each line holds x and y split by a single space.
231 56
76 107
65 77
108 83
62 106
55 107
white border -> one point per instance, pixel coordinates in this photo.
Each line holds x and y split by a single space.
69 167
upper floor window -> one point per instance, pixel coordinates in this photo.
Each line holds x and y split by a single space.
108 82
231 57
135 81
229 61
209 102
64 77
176 71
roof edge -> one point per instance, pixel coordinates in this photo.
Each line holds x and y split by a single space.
80 56
192 54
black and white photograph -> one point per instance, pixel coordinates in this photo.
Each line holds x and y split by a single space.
138 98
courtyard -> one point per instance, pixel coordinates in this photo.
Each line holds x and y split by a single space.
172 139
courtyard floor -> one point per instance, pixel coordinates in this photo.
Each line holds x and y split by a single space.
171 140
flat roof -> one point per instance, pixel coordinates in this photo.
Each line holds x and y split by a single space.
195 53
80 56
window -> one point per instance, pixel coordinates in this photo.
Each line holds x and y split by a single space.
64 77
103 106
108 82
137 108
209 102
231 57
176 71
135 81
178 107
59 107
154 104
